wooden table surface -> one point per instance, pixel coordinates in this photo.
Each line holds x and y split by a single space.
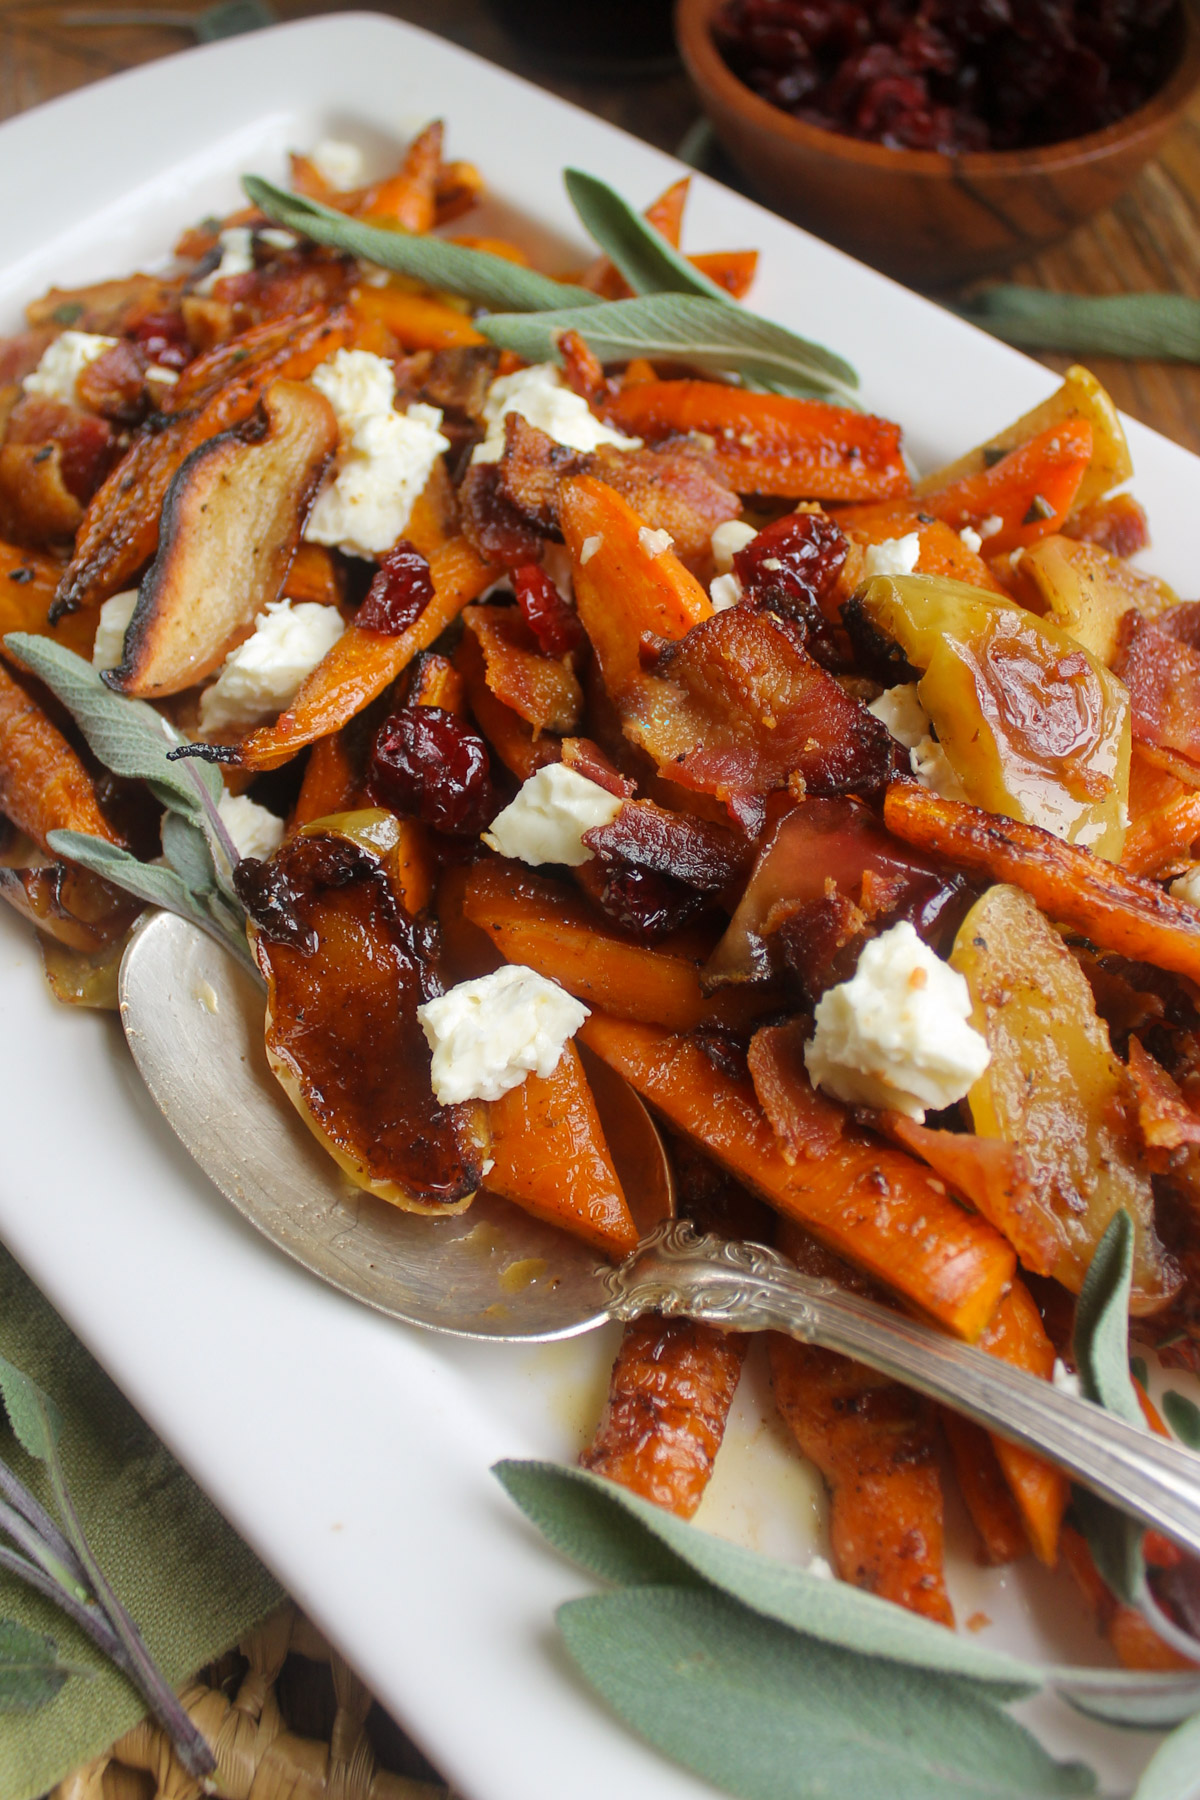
1149 240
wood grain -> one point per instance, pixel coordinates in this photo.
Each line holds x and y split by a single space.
1148 239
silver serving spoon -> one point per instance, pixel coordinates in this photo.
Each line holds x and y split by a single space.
194 1021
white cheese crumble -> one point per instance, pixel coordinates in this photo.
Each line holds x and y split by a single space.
897 1034
724 591
1066 1379
108 651
541 395
339 163
1186 887
895 556
900 709
487 1035
263 675
255 830
547 820
384 457
819 1566
236 244
168 377
655 543
727 540
991 525
64 361
971 538
277 239
588 548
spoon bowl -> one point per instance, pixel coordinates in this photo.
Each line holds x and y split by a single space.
193 1019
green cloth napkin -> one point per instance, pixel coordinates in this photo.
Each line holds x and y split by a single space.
190 1583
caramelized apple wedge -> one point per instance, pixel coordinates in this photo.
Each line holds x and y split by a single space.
231 522
346 969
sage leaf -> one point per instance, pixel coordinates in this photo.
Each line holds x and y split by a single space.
186 849
622 1538
1173 1772
35 1419
768 1715
473 274
1138 1369
632 245
1183 1416
128 736
1101 1340
30 1671
1165 326
709 334
154 883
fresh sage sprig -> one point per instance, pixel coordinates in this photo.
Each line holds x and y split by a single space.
709 334
1101 1343
31 1672
475 275
133 740
642 255
1164 326
55 1558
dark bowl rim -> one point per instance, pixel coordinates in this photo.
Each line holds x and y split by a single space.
710 73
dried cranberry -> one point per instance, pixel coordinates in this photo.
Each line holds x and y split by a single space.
641 901
427 761
399 593
163 336
798 558
553 623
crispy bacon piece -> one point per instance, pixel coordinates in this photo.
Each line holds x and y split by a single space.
772 444
540 689
1159 662
1164 1118
28 583
589 760
114 385
1116 910
36 505
119 531
86 443
691 850
21 354
105 307
1117 523
677 488
805 1122
509 736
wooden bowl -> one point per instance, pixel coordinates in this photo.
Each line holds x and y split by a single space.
928 219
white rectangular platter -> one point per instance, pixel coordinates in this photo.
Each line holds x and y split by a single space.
353 1453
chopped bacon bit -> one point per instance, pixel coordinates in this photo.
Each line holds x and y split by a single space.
1164 1118
589 760
1118 524
1159 662
805 1122
691 850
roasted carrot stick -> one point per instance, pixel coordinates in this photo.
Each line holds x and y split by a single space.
549 1155
1016 1335
329 784
983 1487
1116 910
874 1443
44 786
409 197
873 1205
1132 1637
772 444
1164 835
362 663
668 1401
733 270
415 321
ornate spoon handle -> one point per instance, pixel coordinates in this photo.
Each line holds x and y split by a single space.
750 1288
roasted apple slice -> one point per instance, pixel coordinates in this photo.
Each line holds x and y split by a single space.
346 969
231 523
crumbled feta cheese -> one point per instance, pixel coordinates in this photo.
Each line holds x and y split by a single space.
263 675
547 820
588 548
1066 1379
338 163
820 1567
991 525
727 540
237 257
655 543
1186 887
168 377
900 709
487 1035
971 538
541 395
63 362
895 556
724 591
897 1034
384 457
108 651
255 830
278 240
